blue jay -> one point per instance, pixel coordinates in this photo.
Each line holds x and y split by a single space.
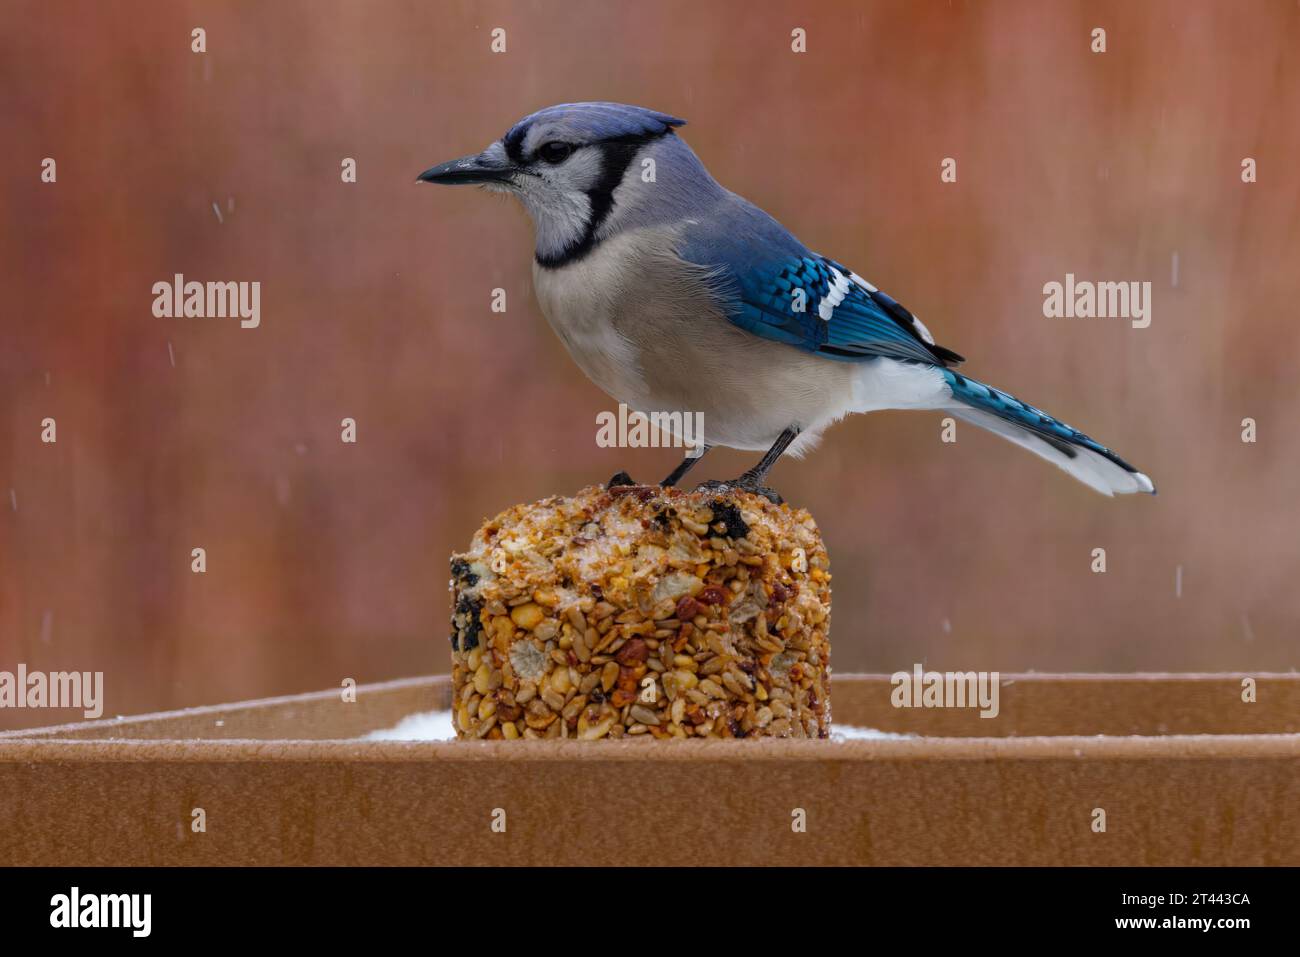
673 293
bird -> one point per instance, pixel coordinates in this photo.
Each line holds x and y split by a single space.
672 293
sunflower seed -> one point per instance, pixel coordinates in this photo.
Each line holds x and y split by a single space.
643 714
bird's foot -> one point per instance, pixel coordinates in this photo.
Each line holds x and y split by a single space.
622 478
746 483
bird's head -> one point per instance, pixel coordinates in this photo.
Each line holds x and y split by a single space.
564 163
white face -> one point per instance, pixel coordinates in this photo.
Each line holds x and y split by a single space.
562 180
556 194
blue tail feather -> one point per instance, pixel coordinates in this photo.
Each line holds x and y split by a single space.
1069 442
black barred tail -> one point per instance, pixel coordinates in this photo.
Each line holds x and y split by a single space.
1087 460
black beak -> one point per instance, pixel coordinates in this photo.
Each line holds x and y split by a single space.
468 170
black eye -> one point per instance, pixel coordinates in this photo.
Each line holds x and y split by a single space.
555 151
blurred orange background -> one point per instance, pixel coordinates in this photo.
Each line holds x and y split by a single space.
327 561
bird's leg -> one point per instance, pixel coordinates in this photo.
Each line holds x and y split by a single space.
687 464
752 481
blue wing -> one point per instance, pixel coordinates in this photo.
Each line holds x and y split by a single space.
776 288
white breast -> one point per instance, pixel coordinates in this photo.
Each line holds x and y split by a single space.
581 301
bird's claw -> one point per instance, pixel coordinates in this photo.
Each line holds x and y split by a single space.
743 484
